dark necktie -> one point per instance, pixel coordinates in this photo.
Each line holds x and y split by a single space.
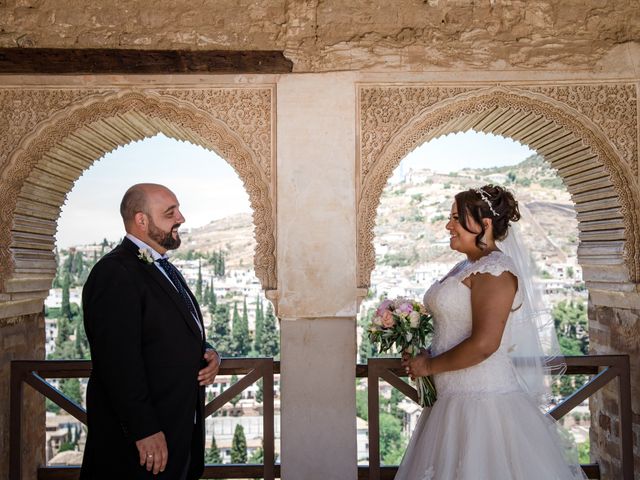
174 276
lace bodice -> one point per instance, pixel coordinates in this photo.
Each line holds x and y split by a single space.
450 302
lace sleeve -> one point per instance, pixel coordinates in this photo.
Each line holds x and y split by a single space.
495 264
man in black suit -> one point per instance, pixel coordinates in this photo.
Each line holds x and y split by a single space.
145 397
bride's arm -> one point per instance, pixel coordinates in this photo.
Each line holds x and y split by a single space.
491 301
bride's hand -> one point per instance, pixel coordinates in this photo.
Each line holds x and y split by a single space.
417 366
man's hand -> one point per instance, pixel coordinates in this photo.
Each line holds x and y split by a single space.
208 373
153 452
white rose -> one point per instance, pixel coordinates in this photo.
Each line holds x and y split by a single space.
414 319
377 320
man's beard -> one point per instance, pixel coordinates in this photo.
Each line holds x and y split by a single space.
164 239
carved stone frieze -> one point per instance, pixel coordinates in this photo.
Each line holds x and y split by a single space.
613 107
57 135
246 111
385 109
393 122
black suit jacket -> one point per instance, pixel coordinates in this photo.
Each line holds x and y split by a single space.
146 351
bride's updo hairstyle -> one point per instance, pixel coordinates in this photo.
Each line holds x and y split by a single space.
490 201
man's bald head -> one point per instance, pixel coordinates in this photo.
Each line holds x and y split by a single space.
134 201
151 213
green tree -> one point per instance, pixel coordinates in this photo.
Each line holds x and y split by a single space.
257 457
571 323
212 454
239 446
240 332
258 326
392 445
66 306
234 401
212 302
260 391
103 246
67 446
362 404
71 388
270 343
199 283
219 330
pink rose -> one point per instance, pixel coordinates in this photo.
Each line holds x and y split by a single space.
384 306
406 307
387 319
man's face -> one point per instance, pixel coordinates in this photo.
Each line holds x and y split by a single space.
164 219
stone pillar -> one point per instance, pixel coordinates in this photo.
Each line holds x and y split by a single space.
614 330
317 275
22 337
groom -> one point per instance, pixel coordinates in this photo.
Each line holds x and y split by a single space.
145 397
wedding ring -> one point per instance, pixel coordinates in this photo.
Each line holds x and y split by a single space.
150 455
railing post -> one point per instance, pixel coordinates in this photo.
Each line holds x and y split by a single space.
374 420
15 422
267 419
626 429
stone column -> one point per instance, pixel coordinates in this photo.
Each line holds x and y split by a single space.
317 275
614 330
22 338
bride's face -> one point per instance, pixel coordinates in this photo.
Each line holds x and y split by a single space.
460 239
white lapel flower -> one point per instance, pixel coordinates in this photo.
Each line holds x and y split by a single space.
145 255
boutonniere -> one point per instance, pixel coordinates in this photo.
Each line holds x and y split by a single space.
145 255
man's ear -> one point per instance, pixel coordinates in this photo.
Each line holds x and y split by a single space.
141 220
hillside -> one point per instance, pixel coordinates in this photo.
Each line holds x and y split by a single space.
412 216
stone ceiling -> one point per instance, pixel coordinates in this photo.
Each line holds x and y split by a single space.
324 35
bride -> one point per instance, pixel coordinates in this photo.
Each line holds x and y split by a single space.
487 423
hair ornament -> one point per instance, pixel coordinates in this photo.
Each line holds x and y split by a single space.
486 200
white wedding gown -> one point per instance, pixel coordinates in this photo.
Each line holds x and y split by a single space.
483 425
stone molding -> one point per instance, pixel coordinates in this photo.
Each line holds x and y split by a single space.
53 135
587 132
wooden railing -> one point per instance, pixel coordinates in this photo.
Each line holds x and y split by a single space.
35 373
604 369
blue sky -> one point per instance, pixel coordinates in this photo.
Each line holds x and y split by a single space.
208 188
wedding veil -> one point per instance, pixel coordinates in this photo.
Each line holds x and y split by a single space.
530 332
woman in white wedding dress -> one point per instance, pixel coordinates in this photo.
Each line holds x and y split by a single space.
486 423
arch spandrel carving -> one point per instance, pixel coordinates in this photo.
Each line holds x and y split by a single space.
586 155
47 161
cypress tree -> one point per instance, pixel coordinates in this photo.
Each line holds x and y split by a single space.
199 283
65 309
270 344
239 446
219 332
258 326
240 334
212 455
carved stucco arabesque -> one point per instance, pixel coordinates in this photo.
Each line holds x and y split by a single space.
234 122
396 119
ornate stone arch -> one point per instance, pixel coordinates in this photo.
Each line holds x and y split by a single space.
236 123
600 173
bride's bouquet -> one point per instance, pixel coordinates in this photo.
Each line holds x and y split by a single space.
407 325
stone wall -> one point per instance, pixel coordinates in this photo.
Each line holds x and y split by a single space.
336 35
614 331
22 338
